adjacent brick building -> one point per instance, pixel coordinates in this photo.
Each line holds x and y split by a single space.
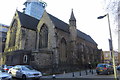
3 33
108 57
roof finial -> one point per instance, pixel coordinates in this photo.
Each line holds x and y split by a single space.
72 9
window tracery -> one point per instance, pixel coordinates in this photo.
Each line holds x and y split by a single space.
43 37
63 54
13 31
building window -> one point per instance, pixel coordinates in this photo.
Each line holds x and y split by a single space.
43 37
81 47
32 58
25 59
63 50
87 49
13 31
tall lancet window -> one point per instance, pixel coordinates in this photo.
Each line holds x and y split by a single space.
43 37
13 31
63 54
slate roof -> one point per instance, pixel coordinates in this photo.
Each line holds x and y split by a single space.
59 23
31 23
28 21
65 27
85 36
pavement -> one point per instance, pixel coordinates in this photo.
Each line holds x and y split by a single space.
81 74
77 74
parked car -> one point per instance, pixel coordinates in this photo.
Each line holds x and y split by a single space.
118 67
104 69
4 75
6 68
24 72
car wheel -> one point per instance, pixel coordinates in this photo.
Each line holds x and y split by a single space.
23 77
9 72
38 79
98 73
112 72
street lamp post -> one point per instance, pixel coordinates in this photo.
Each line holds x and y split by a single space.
111 44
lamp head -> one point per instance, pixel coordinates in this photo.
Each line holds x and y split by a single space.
100 17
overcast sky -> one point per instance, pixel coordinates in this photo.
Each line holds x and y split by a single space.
85 11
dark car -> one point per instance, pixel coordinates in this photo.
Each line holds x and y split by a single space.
104 69
118 68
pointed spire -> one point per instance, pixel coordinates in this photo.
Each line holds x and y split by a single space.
72 18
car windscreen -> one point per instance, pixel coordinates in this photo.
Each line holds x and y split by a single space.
27 68
102 65
9 67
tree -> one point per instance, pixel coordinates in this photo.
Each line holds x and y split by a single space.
113 7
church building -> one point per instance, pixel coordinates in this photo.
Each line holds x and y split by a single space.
38 38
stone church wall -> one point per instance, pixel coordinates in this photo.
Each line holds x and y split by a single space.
42 61
51 33
29 39
17 57
62 34
87 51
18 34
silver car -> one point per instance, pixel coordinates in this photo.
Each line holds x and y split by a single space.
5 76
24 72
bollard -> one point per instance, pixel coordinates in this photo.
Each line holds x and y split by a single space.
117 78
73 74
80 73
92 71
64 72
86 72
53 76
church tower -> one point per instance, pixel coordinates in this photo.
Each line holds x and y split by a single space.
34 8
72 28
73 35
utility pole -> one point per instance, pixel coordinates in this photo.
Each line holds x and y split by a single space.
111 44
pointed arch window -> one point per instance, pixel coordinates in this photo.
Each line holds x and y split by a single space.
81 47
43 37
13 31
63 50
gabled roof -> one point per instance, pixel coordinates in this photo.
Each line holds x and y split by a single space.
31 23
85 36
65 27
59 23
28 21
